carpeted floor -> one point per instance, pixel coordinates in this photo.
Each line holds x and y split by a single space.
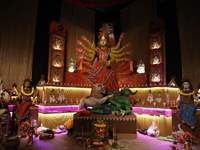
61 142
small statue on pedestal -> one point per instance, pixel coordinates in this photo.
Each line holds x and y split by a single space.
42 81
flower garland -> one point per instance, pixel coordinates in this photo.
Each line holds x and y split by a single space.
96 125
27 94
187 94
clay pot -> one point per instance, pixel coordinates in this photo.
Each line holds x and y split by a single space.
11 144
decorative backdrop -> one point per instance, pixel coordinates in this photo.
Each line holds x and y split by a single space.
17 37
18 24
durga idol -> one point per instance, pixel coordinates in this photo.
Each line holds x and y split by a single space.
103 58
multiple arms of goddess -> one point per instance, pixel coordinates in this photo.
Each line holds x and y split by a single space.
88 52
117 53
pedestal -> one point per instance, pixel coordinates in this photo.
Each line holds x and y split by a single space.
125 127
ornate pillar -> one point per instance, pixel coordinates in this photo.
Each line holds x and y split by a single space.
56 53
157 61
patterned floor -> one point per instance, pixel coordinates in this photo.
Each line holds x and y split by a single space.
61 142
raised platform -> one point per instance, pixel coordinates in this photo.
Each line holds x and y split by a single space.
125 126
130 80
52 116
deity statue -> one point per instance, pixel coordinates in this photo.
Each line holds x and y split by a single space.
156 59
72 65
156 76
57 62
150 96
186 107
42 81
118 104
57 75
141 67
61 96
27 91
103 58
155 42
58 42
52 96
159 97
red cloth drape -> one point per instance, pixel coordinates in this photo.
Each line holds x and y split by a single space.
95 3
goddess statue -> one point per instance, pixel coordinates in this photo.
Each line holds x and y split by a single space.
27 91
186 107
103 58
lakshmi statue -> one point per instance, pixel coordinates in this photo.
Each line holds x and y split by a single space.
103 59
186 107
25 102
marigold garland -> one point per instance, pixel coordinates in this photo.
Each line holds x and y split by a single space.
27 94
187 94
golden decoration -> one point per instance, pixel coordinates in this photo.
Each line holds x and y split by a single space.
27 94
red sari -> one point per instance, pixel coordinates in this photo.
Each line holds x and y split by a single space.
102 74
